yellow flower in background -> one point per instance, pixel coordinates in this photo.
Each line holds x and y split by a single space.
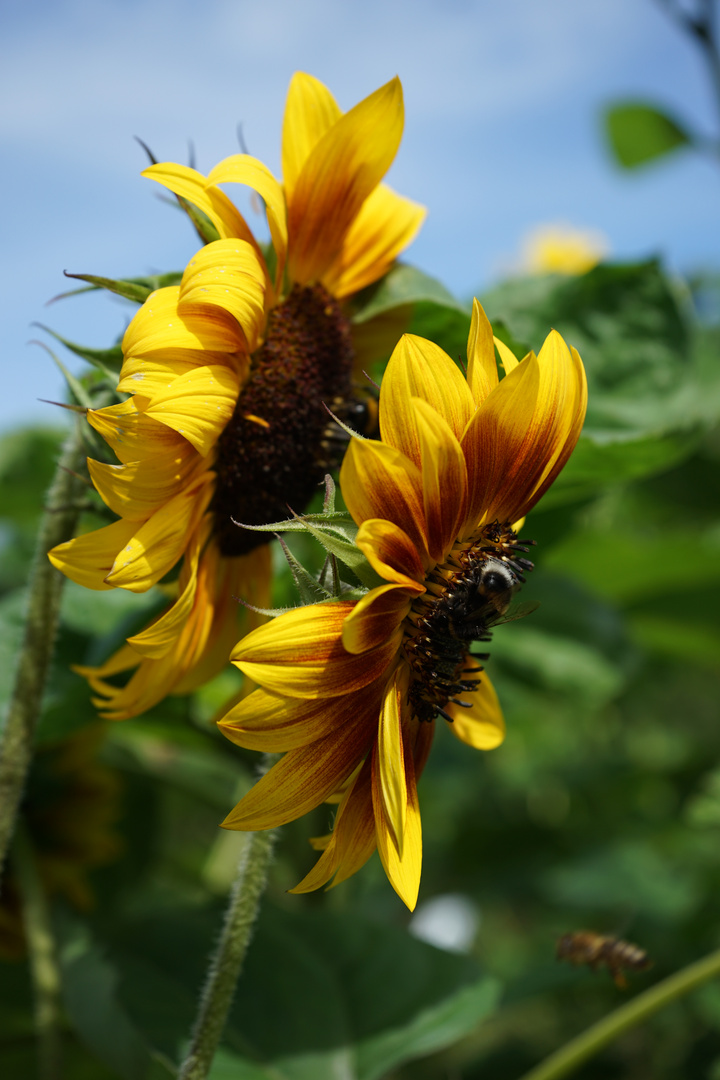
562 249
350 690
228 373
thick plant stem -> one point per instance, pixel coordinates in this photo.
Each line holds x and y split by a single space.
43 958
570 1057
46 584
226 965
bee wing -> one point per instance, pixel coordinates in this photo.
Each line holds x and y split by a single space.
516 611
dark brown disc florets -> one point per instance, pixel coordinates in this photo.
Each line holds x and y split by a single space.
275 450
466 597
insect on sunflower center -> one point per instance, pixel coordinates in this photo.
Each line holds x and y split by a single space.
280 441
467 595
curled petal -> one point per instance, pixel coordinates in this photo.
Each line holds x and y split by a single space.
197 404
132 435
87 559
376 618
159 325
390 551
481 726
227 275
136 490
192 185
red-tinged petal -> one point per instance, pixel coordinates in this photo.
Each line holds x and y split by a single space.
390 551
377 617
483 725
352 840
198 405
310 111
482 373
421 369
403 871
227 275
341 170
444 477
379 482
386 224
87 559
157 545
301 654
389 764
136 490
274 723
132 435
244 169
303 778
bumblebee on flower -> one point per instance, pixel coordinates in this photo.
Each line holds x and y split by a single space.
228 372
350 690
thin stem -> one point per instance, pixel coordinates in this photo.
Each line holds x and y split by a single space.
43 957
569 1057
227 963
43 610
57 525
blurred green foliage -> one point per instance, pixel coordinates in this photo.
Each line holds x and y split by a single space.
600 811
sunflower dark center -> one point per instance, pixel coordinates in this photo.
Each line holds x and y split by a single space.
279 442
466 597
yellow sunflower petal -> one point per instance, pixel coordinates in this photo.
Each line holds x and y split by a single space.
377 617
391 552
342 169
390 766
507 358
380 482
148 375
483 725
403 871
421 369
301 654
445 481
228 275
482 373
198 404
158 325
386 224
158 544
244 169
136 490
310 110
132 435
87 559
304 777
192 185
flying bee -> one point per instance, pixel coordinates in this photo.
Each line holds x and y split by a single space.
597 950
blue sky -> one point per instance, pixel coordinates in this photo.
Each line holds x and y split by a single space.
502 134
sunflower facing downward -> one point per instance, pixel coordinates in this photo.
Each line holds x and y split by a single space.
351 690
228 373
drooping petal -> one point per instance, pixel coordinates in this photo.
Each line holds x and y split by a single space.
403 871
87 559
132 435
151 374
341 170
136 490
159 325
192 185
304 777
301 654
377 617
390 551
444 476
198 404
272 722
482 373
227 275
386 224
421 369
380 482
157 545
244 169
389 763
310 111
483 725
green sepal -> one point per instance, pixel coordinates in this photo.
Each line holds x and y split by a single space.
108 361
135 289
74 385
311 591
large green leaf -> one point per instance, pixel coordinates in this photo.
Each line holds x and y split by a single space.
402 285
639 133
318 991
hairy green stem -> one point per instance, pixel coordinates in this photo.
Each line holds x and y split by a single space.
43 957
569 1057
227 963
43 609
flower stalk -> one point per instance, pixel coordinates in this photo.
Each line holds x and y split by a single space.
58 524
226 965
570 1057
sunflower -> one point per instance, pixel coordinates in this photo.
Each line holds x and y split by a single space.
227 374
350 690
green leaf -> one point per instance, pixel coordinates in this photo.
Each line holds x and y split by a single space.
402 285
320 992
639 133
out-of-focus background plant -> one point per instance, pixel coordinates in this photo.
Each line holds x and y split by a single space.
600 811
